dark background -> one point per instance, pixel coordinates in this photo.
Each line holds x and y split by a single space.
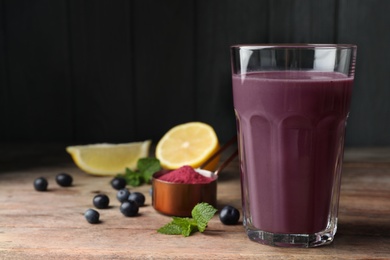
118 71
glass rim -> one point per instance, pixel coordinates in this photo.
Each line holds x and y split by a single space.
293 46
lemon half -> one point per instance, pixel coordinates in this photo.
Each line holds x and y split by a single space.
108 159
187 144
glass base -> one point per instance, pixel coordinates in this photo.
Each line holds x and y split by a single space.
291 240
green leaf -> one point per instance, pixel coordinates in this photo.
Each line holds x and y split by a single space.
202 213
187 225
147 167
170 229
133 178
183 226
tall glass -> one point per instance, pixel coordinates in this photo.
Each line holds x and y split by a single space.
291 104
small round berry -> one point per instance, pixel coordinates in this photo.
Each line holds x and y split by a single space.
64 179
138 197
229 215
92 216
118 183
101 201
122 195
40 184
129 208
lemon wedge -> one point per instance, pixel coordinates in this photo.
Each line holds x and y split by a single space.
108 159
188 144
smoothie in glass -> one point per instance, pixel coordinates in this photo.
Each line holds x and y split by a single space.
291 104
291 147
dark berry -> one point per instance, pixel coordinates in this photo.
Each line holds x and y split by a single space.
40 184
129 208
122 195
64 179
229 215
101 201
118 183
92 216
137 197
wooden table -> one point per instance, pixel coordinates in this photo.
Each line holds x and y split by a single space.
51 225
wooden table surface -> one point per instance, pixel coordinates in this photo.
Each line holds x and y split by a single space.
51 225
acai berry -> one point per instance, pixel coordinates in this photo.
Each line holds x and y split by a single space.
64 179
129 208
229 215
138 197
122 195
118 183
92 216
40 184
101 201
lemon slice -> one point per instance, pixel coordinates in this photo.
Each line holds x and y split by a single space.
187 144
108 159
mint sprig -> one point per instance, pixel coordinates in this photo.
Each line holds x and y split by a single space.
201 215
146 167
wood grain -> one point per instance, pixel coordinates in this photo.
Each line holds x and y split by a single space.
35 56
164 65
303 21
214 98
103 71
50 225
360 24
103 94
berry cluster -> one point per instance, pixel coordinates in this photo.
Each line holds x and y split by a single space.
62 179
130 201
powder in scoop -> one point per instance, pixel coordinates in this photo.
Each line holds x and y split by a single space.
185 174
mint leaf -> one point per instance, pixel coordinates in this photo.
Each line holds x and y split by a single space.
187 225
147 167
170 229
202 213
183 226
133 178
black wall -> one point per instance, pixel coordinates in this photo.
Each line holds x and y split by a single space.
83 71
